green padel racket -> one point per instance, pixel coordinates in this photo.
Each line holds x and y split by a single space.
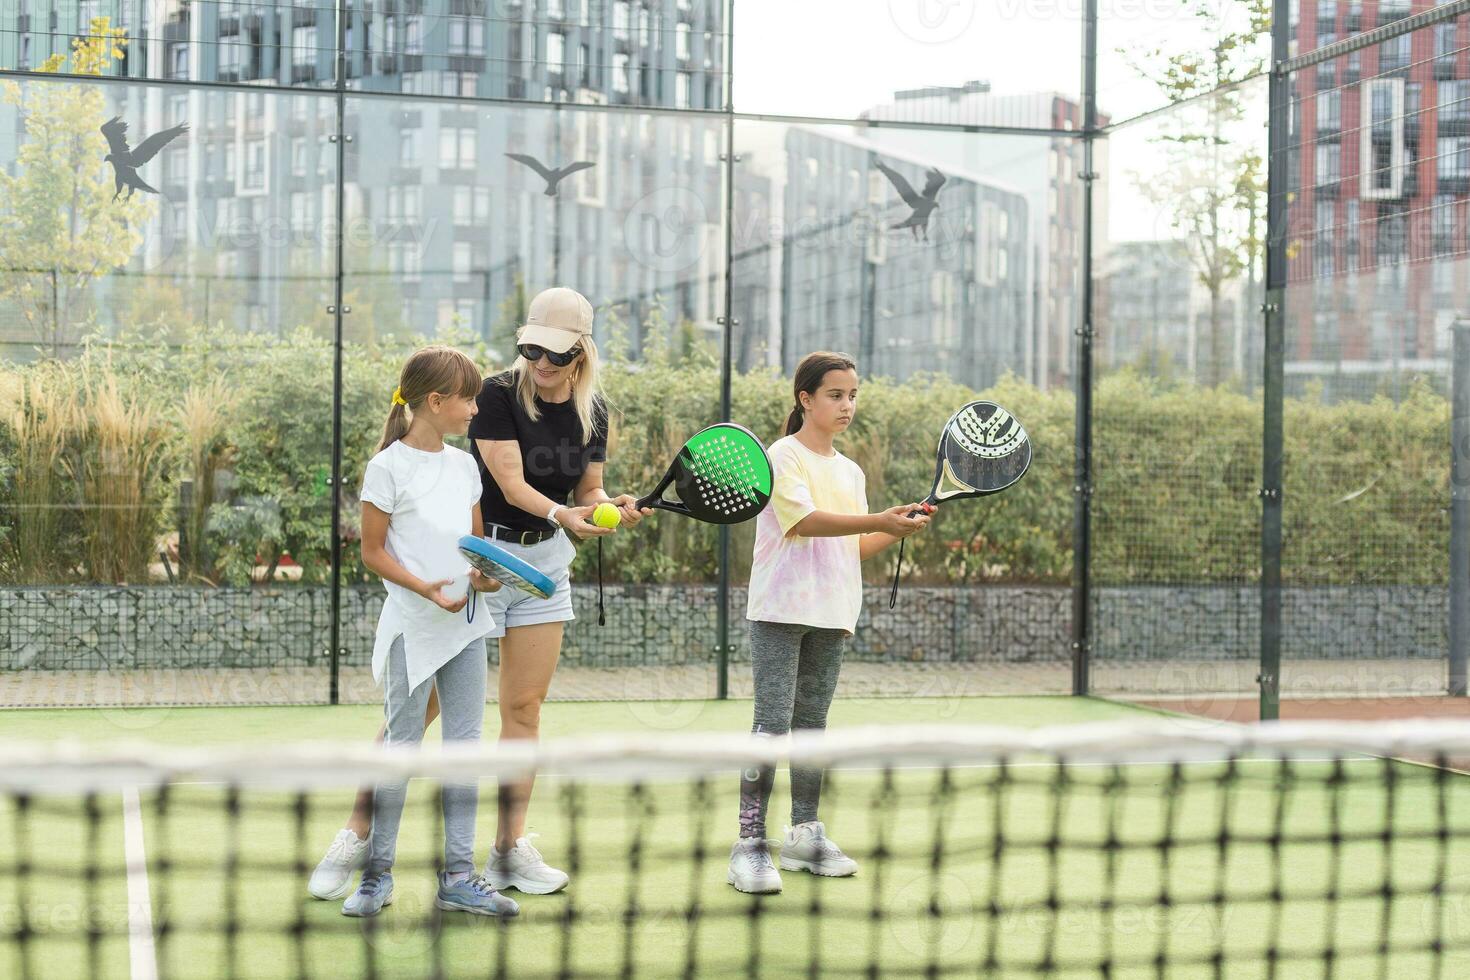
721 476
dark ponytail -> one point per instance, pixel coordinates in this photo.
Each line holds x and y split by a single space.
809 374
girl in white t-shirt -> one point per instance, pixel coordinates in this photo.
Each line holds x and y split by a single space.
419 496
806 591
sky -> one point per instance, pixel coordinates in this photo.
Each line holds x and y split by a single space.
840 57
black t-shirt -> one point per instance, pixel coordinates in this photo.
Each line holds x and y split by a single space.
553 457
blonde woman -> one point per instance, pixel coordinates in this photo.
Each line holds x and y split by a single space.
539 438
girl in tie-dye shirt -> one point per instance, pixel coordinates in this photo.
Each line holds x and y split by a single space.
806 591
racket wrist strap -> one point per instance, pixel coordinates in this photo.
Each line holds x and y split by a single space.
601 614
893 595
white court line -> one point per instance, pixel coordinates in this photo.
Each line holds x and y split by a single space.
141 955
922 767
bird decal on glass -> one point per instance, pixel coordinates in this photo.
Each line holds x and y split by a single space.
552 177
923 204
125 160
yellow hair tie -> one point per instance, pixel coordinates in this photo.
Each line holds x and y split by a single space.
398 397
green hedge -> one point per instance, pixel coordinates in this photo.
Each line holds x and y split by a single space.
1175 468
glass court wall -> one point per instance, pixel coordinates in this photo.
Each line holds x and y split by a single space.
202 327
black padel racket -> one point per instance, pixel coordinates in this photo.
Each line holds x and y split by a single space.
982 450
722 475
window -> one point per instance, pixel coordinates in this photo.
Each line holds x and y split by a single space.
1454 157
681 42
231 56
466 36
620 73
1444 223
255 164
1329 111
300 213
1393 54
1381 139
298 156
303 47
1454 101
556 52
1444 44
180 61
462 261
413 35
583 65
229 161
408 147
681 90
621 19
1329 165
457 148
462 206
413 203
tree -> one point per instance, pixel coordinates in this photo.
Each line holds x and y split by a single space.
59 226
1211 185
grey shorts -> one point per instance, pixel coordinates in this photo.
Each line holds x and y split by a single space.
511 607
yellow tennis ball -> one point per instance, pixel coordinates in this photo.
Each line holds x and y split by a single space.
606 515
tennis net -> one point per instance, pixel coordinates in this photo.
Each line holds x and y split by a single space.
1166 848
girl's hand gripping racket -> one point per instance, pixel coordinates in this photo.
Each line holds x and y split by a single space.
982 450
721 476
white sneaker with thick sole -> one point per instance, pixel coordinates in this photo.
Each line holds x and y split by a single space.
523 869
807 848
332 878
751 870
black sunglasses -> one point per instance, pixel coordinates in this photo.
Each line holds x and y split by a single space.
532 353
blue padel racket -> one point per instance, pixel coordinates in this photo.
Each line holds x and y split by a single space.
982 450
496 562
722 475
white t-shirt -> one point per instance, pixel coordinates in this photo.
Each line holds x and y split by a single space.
811 581
429 498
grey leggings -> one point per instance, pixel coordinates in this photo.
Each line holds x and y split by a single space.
795 671
461 686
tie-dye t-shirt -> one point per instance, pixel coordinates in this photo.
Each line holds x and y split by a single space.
810 581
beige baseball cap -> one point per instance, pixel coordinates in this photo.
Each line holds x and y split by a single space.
557 319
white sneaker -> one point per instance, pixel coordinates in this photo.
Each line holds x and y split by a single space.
751 870
807 848
332 877
524 869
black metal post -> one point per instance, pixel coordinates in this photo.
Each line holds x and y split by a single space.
336 310
1460 508
1274 322
729 323
1082 377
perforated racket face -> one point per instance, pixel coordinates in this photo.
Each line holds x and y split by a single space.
723 475
985 449
505 574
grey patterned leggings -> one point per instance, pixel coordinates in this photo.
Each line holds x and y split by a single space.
795 671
